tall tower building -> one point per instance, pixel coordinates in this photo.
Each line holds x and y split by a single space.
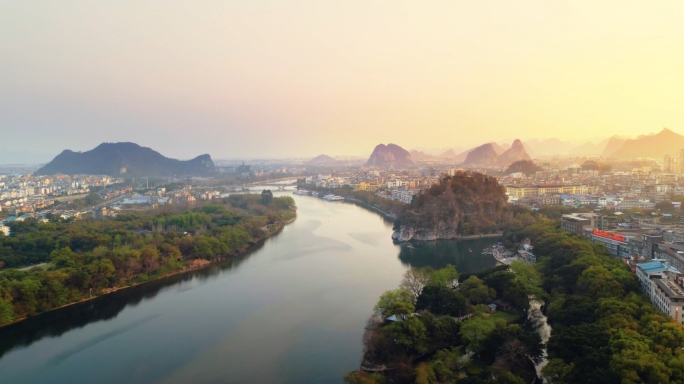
680 161
667 164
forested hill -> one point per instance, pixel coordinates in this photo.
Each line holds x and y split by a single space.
604 329
460 205
527 167
124 159
100 255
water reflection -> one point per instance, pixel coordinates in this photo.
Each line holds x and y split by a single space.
464 254
291 310
107 307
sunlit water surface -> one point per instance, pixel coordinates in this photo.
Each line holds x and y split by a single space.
291 311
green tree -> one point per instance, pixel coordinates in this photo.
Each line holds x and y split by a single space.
475 331
528 277
363 377
475 290
391 300
444 276
442 300
558 372
6 312
634 360
410 333
266 197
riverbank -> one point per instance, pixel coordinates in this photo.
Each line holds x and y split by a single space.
405 234
367 198
332 262
243 251
371 207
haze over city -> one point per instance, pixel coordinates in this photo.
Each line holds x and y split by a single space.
266 79
356 191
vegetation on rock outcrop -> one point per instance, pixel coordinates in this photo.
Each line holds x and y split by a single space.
459 205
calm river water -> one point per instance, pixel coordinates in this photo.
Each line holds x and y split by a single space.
291 311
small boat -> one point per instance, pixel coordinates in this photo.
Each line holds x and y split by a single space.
470 249
333 198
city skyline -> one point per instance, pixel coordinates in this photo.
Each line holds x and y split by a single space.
261 80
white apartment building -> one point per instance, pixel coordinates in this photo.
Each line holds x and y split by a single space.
405 196
663 285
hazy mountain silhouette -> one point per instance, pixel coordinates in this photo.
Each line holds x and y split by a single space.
124 159
419 155
448 154
653 146
515 153
485 154
461 157
390 155
322 160
614 143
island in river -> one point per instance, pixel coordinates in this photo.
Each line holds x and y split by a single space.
88 258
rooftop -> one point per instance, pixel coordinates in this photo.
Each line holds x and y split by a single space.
671 289
655 267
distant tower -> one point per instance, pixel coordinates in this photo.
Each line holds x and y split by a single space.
667 164
680 161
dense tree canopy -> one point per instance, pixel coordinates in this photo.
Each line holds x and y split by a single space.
99 255
604 330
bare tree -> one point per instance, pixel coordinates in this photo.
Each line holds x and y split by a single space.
415 280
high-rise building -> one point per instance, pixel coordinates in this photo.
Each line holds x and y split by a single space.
680 161
667 164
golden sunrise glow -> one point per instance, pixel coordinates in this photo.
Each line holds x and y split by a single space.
300 78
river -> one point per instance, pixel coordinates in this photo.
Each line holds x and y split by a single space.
292 310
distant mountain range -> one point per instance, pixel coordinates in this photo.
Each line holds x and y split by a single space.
493 154
655 146
651 146
485 154
420 155
322 160
124 159
614 143
390 155
461 157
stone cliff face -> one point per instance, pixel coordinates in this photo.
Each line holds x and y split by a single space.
407 233
390 155
463 205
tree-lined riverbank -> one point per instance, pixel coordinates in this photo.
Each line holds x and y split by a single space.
301 291
93 257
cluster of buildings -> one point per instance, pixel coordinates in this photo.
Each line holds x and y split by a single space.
261 170
388 184
27 193
40 216
653 250
638 188
155 198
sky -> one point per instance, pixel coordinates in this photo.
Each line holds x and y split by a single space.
298 78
